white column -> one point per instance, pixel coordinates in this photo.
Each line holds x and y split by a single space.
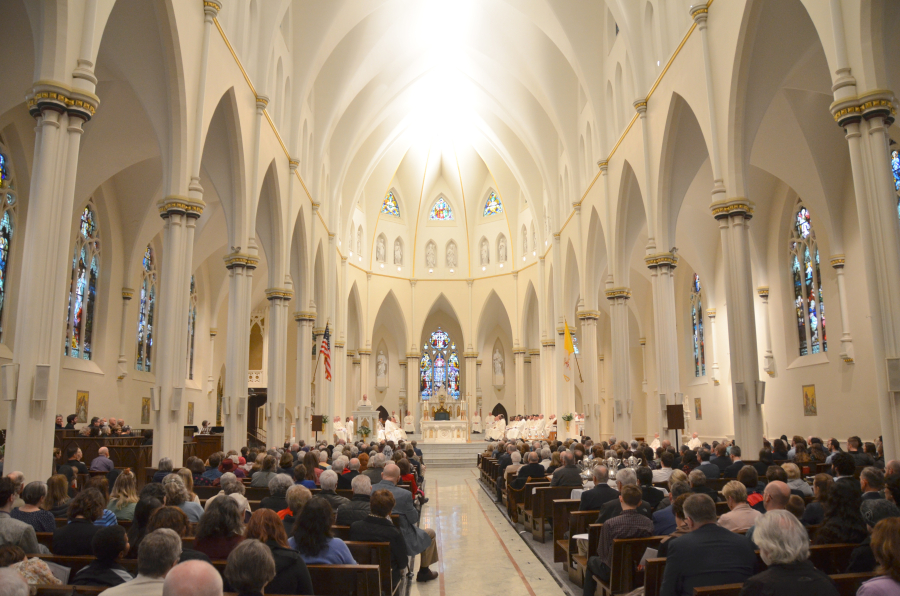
622 405
234 401
473 387
711 345
327 388
210 379
279 299
350 383
768 358
588 360
535 398
606 417
519 356
122 364
304 373
412 389
366 386
662 279
847 352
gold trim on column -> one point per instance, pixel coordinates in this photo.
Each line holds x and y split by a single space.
763 291
239 259
731 206
711 313
279 294
127 293
613 293
661 259
470 354
413 355
548 343
642 341
213 332
837 261
534 353
519 351
302 315
364 352
180 205
587 315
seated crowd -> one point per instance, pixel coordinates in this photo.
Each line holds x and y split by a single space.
777 505
268 545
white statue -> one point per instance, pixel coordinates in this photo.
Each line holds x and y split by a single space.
524 240
359 241
430 255
398 252
381 369
501 250
485 253
379 249
451 255
498 363
533 238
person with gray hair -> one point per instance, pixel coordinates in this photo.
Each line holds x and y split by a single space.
358 507
296 496
158 553
178 496
601 494
546 460
376 464
250 567
784 546
12 583
613 508
708 555
193 578
231 487
328 481
278 487
164 469
351 471
567 474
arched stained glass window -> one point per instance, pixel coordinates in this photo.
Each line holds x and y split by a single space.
697 327
83 286
8 203
145 331
493 206
895 169
439 366
441 211
389 205
809 306
192 328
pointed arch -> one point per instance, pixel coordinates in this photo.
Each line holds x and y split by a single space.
318 285
492 203
596 260
269 224
440 210
442 342
390 316
571 285
531 324
630 221
355 331
806 280
494 312
390 205
299 262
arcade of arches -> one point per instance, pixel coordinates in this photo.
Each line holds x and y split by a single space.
194 191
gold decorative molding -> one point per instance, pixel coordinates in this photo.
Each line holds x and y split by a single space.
837 261
587 315
519 351
362 352
711 313
302 315
848 360
731 206
534 353
338 344
763 291
127 293
878 102
613 293
59 97
548 343
239 259
470 354
213 332
279 293
413 355
642 341
478 363
603 164
661 259
180 205
318 331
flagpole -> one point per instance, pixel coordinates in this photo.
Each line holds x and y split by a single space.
574 355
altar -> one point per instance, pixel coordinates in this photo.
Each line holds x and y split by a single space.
444 420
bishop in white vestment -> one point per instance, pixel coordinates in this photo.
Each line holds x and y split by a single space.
476 423
409 423
340 431
695 443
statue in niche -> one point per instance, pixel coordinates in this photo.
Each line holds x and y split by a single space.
547 225
533 238
381 369
524 240
498 367
359 241
451 255
379 249
485 253
501 250
430 255
398 252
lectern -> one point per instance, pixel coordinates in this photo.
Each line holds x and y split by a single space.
675 420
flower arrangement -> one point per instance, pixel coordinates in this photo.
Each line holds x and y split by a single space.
325 419
365 431
568 417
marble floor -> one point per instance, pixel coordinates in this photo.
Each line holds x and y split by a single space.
481 554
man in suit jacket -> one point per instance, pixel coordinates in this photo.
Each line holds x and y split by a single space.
736 463
871 480
698 485
418 540
649 493
602 492
505 459
708 468
721 459
345 480
533 469
707 556
567 474
613 508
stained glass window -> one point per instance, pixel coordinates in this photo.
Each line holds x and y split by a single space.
439 366
697 327
8 205
83 287
808 304
389 205
493 206
895 169
192 327
441 211
145 331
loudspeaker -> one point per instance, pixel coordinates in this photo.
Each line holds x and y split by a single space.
662 402
268 410
760 392
296 412
630 404
155 395
740 396
893 374
41 382
9 381
241 406
281 410
177 394
618 407
597 409
226 405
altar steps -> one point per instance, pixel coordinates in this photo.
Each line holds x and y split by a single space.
451 455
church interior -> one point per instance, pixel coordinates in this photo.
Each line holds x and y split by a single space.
268 214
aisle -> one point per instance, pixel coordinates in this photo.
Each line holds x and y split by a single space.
481 554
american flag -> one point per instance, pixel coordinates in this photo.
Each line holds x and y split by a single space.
326 350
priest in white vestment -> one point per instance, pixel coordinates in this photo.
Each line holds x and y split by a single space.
695 442
350 428
379 431
409 423
476 423
514 430
340 431
392 431
499 429
654 445
539 427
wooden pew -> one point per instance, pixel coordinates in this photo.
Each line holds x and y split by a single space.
561 510
624 574
345 580
578 524
579 562
526 505
374 553
253 493
542 507
77 563
722 508
847 584
68 590
653 576
342 532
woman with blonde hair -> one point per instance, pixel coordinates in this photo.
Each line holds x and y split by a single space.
188 479
124 497
886 548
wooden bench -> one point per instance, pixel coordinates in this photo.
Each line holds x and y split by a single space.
578 566
375 553
68 590
578 524
345 580
847 584
561 510
542 507
653 576
525 499
624 575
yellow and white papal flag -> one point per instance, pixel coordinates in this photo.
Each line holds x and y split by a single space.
570 349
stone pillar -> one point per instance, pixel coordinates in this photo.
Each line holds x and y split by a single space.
622 404
473 385
662 280
338 360
210 379
305 322
350 380
519 356
535 398
45 266
356 386
234 401
412 389
366 387
122 364
180 215
711 314
279 299
591 395
768 358
847 352
528 376
548 353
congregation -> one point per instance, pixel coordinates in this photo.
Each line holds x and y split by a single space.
706 514
200 530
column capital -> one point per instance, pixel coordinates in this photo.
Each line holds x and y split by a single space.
240 260
519 351
711 313
733 206
301 316
412 282
279 294
338 344
641 106
470 354
700 12
363 352
534 353
261 102
351 353
603 164
548 343
661 259
293 164
212 7
413 355
642 341
127 293
180 205
213 332
875 103
615 293
837 261
576 205
763 291
315 206
59 97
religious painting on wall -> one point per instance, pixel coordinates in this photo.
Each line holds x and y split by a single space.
81 406
698 409
190 419
810 408
145 410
